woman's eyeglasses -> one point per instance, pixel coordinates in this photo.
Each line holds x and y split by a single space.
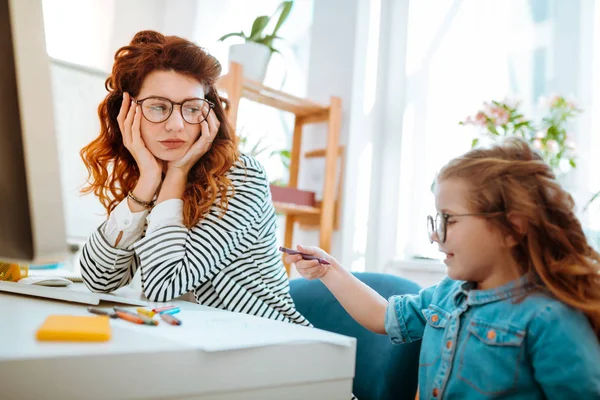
439 224
159 109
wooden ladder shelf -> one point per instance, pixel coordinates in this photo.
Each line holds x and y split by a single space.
323 214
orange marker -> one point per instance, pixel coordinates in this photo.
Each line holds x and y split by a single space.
129 317
145 320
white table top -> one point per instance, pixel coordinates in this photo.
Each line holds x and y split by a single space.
170 361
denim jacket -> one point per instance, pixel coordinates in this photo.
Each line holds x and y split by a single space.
484 344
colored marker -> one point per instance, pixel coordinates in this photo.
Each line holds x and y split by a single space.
173 310
161 309
129 317
147 313
100 311
304 255
168 318
145 320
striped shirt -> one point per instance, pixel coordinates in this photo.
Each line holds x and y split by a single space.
230 261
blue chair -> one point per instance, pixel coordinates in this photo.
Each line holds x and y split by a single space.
383 370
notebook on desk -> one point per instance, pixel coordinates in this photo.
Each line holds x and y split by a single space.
74 328
73 293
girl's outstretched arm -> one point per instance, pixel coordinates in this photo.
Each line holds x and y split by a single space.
363 304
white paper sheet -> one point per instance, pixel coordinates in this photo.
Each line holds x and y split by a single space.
221 331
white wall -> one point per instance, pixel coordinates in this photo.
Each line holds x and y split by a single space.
77 92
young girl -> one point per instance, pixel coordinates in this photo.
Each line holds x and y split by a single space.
518 316
183 205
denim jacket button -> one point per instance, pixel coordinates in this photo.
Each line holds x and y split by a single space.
449 344
435 392
491 335
434 318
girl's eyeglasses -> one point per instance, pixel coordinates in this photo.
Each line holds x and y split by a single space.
159 109
439 224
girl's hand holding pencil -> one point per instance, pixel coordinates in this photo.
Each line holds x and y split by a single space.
311 262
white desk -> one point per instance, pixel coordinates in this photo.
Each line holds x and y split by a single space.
134 365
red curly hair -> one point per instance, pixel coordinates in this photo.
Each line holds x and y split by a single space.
512 178
112 171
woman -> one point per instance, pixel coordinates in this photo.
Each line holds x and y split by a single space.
183 205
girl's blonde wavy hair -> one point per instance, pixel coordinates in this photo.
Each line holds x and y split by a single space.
112 171
511 177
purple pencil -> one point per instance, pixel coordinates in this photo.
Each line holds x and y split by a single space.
304 255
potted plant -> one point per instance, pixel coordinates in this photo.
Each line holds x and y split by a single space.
254 54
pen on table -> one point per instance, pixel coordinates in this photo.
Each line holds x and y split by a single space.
136 319
145 320
147 313
158 310
171 311
100 311
168 318
304 255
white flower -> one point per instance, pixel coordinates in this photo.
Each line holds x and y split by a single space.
512 101
541 134
542 102
552 145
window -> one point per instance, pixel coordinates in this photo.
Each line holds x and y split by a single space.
462 53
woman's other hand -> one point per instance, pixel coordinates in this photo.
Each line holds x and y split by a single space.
210 128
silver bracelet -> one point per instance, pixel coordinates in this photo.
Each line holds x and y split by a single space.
145 204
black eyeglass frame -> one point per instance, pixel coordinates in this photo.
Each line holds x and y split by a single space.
211 106
433 224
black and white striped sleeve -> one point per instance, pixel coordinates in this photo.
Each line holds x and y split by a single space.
174 260
105 268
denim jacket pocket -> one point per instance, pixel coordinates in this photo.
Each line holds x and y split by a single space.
490 357
437 320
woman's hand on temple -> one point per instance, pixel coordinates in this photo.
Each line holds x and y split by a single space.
310 269
129 120
209 130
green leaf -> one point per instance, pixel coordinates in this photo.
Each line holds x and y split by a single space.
590 201
286 7
240 34
259 25
573 163
267 40
474 142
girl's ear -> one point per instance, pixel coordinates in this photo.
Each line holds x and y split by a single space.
519 226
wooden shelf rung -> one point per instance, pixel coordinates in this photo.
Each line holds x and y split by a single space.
278 104
315 118
256 87
295 209
321 152
308 110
